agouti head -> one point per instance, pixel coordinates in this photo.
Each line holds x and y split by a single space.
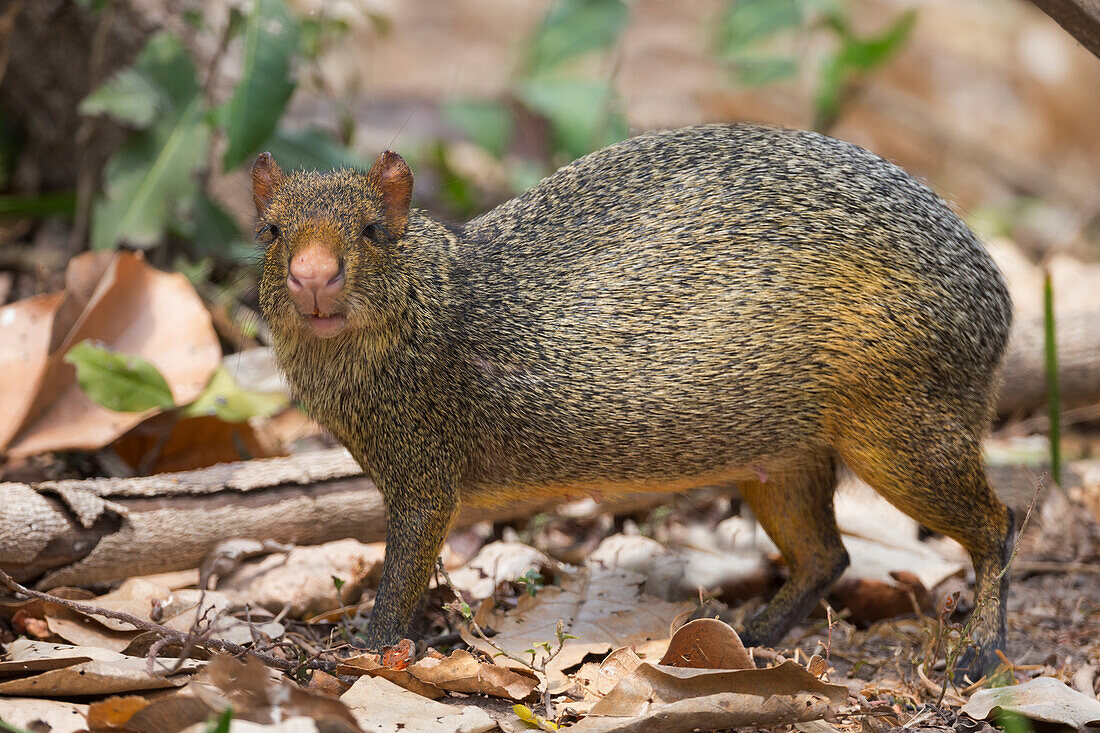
330 263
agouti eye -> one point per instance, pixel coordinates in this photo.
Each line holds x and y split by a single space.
372 232
268 233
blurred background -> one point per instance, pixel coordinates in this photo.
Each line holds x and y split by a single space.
127 126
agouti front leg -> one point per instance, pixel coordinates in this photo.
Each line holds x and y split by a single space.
795 508
420 508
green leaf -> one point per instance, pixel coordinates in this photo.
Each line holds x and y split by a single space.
225 399
166 63
579 111
310 148
146 178
746 22
129 97
575 27
758 70
270 41
856 56
867 54
161 81
119 382
487 123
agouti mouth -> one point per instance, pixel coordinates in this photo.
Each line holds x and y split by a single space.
325 326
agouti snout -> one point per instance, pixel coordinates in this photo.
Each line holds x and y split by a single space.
726 302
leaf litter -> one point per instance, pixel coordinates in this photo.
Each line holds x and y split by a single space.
627 671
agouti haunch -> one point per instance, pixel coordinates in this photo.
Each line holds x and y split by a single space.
704 305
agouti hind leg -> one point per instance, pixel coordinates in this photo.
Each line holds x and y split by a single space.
795 508
930 466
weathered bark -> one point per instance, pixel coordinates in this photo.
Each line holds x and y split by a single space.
1080 18
1024 386
77 532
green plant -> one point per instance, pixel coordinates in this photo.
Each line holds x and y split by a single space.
580 112
755 37
130 383
222 724
532 582
155 183
1050 360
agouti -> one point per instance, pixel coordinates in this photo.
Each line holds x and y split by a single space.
705 305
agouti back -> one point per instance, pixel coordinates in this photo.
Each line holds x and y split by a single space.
710 304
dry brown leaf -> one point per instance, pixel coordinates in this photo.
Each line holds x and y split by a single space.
171 712
662 568
326 684
65 670
25 329
195 442
733 556
707 643
1043 699
881 540
133 308
869 599
28 625
114 712
463 672
605 611
399 656
662 698
81 630
262 695
380 706
145 599
301 581
60 717
371 665
494 563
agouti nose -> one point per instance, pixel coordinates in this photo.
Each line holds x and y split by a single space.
314 279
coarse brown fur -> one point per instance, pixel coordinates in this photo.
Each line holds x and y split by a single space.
724 302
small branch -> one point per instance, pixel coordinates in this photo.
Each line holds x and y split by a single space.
1079 18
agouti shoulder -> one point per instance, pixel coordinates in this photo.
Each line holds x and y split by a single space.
711 304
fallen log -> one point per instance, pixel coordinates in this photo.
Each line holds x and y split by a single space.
1024 385
78 532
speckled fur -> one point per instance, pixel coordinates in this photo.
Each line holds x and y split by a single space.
716 303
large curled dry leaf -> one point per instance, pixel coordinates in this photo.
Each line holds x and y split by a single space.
463 672
655 697
114 298
1043 699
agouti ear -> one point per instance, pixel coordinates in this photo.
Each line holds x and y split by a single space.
392 182
267 178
